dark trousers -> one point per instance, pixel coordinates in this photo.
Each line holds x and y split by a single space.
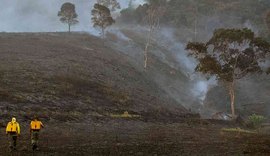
12 140
34 138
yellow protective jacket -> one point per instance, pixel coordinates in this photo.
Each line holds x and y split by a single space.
36 125
13 127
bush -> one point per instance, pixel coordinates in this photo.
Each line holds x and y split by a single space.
255 121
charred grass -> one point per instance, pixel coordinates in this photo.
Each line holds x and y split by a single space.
134 137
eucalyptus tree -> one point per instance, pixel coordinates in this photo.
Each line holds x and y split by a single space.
68 14
101 18
230 55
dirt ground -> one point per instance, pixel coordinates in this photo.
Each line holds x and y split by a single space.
134 137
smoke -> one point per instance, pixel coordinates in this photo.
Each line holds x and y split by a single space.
187 89
250 26
168 39
201 88
200 85
119 34
41 15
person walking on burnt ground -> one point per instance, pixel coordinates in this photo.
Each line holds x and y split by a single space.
35 127
13 131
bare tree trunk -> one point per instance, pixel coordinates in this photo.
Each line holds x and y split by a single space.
195 24
153 22
195 30
69 24
232 98
145 55
148 43
146 51
153 15
232 89
103 33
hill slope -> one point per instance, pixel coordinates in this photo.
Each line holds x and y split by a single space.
77 84
65 77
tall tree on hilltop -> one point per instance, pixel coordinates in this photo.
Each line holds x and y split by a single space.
101 18
68 14
230 55
111 4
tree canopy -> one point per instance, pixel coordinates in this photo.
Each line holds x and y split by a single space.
183 13
229 55
68 14
101 17
111 4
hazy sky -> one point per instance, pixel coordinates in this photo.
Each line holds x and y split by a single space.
41 15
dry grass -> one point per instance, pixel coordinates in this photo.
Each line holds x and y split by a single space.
238 130
124 115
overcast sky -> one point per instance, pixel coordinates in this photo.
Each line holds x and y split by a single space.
41 15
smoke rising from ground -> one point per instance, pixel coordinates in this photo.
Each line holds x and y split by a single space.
186 64
190 88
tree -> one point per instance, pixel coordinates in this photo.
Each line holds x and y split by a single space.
230 55
111 4
153 15
267 20
101 17
68 14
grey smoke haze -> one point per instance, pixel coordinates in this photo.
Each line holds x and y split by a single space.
187 64
171 51
41 15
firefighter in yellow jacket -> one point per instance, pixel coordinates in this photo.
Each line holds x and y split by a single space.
35 127
13 131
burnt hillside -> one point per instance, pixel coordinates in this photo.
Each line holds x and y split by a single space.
62 76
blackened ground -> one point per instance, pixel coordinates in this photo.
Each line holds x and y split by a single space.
80 88
134 137
69 77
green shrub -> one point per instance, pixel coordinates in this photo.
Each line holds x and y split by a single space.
255 121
